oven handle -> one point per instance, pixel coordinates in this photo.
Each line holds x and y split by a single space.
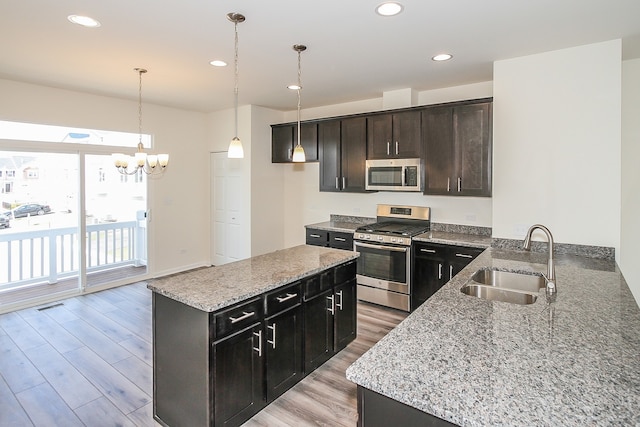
389 248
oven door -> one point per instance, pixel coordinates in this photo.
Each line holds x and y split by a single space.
384 266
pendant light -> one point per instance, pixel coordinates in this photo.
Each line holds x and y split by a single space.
298 151
149 164
235 146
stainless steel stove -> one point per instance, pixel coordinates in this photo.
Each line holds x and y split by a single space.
384 265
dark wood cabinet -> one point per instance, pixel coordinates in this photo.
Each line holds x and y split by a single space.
394 135
284 138
342 153
434 265
457 149
238 376
221 368
316 237
330 318
331 239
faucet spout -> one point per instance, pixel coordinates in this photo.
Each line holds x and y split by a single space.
551 269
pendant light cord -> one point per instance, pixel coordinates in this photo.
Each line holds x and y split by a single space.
235 89
140 71
299 89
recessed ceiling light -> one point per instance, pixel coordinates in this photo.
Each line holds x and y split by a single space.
85 21
442 57
294 87
390 8
218 63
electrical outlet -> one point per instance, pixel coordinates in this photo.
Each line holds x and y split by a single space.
520 230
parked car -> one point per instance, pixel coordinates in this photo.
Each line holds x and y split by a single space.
4 220
30 209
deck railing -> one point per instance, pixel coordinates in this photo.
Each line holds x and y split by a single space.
48 255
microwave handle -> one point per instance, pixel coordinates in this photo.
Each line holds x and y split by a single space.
382 247
404 176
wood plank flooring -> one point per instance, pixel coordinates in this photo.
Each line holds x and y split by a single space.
87 361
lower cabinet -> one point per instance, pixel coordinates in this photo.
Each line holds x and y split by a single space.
434 265
221 368
332 239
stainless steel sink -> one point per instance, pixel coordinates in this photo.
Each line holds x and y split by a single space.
505 286
509 280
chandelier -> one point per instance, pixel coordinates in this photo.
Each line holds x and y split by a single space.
140 161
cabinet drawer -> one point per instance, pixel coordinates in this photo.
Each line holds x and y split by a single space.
283 298
430 251
237 317
464 253
345 272
317 237
316 284
341 240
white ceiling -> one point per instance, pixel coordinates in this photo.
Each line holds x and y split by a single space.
352 53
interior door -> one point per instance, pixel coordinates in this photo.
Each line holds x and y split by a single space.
227 221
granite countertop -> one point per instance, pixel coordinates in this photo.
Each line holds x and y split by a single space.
213 288
475 362
449 238
343 226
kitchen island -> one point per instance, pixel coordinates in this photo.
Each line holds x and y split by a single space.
469 361
228 340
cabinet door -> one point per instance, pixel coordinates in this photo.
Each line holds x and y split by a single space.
283 342
380 136
308 140
237 377
281 143
317 237
406 135
472 134
318 330
429 272
329 155
354 154
345 315
437 131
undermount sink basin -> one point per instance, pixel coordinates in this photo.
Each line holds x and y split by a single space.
509 280
505 286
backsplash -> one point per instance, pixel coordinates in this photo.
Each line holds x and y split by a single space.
601 252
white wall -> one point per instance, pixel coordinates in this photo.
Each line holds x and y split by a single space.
179 200
556 144
305 204
630 227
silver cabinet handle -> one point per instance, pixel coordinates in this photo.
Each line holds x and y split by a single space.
459 184
289 153
287 298
464 256
339 304
397 146
448 184
332 307
439 271
259 348
337 183
344 182
450 272
340 239
245 315
388 148
273 341
315 236
429 251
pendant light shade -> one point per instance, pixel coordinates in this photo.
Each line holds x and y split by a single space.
298 151
235 150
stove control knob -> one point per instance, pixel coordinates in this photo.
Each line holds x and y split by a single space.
393 240
380 238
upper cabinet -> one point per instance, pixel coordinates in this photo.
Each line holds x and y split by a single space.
394 135
342 152
457 149
284 138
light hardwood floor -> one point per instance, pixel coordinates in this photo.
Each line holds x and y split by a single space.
87 361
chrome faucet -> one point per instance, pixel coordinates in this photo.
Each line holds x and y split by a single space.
552 289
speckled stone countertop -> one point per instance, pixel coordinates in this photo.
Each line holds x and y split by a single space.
475 362
210 289
448 238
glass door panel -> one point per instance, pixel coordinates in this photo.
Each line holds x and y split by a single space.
39 246
116 222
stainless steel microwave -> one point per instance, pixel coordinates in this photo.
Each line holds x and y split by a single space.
393 175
